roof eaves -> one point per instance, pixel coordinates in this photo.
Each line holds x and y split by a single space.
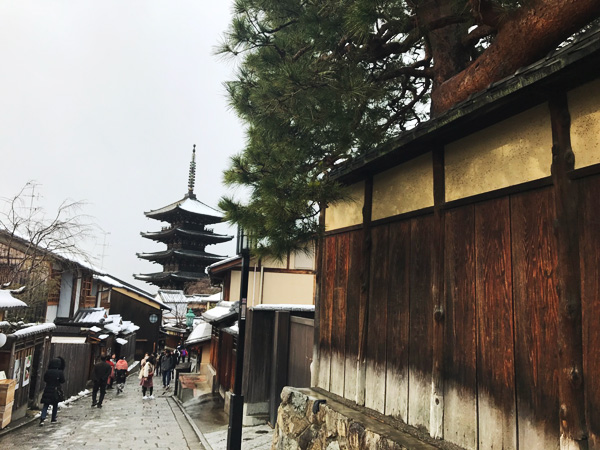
495 96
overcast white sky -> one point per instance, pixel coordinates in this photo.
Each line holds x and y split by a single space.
102 101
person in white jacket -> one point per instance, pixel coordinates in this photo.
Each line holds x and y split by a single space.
147 373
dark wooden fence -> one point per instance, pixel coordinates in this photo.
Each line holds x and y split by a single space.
128 350
77 370
279 346
501 321
300 351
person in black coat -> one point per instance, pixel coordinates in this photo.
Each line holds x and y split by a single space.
53 378
100 374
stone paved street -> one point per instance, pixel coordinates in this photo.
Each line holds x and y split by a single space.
125 421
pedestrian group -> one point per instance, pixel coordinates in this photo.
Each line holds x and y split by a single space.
104 373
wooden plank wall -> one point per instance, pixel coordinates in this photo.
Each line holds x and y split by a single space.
536 318
460 349
589 244
397 348
501 359
77 363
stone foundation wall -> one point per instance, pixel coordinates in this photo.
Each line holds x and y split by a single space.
329 425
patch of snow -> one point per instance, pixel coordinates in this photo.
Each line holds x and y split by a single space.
284 307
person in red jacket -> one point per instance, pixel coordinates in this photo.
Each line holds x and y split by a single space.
121 374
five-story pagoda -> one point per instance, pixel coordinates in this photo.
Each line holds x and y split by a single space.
185 259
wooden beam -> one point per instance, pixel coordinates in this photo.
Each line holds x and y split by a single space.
436 410
573 428
314 370
361 363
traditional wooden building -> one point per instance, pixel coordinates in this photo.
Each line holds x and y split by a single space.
271 281
459 291
221 370
24 355
185 259
135 305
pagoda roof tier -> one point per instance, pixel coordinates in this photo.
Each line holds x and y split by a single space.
163 277
167 234
187 206
182 253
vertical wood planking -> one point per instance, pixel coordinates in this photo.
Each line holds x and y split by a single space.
590 294
376 338
352 315
396 387
573 428
460 343
326 301
536 318
338 330
495 349
421 318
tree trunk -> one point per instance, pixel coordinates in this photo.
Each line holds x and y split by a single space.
525 36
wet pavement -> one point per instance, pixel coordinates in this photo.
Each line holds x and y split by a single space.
125 421
206 411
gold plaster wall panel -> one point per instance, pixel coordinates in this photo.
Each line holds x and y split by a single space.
349 213
514 151
584 107
404 188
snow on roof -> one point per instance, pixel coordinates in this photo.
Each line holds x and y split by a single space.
34 329
90 315
128 327
7 301
190 205
171 296
115 282
197 207
116 325
113 327
103 336
175 328
224 261
200 333
284 307
218 312
95 329
233 329
121 341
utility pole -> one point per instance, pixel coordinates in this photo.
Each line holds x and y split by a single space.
236 408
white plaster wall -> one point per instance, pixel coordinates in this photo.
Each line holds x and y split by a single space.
51 312
66 288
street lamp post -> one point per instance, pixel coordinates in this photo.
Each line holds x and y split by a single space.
236 408
189 318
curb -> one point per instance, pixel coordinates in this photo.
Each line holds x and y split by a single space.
199 433
9 429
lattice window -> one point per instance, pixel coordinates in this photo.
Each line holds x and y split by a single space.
54 287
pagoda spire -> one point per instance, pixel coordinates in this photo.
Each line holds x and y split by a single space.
192 177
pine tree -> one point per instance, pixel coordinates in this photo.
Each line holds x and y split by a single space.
323 81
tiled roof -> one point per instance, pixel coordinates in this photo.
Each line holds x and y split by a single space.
200 333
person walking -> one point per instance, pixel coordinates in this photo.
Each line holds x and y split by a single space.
147 376
53 378
111 377
100 375
121 374
166 366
